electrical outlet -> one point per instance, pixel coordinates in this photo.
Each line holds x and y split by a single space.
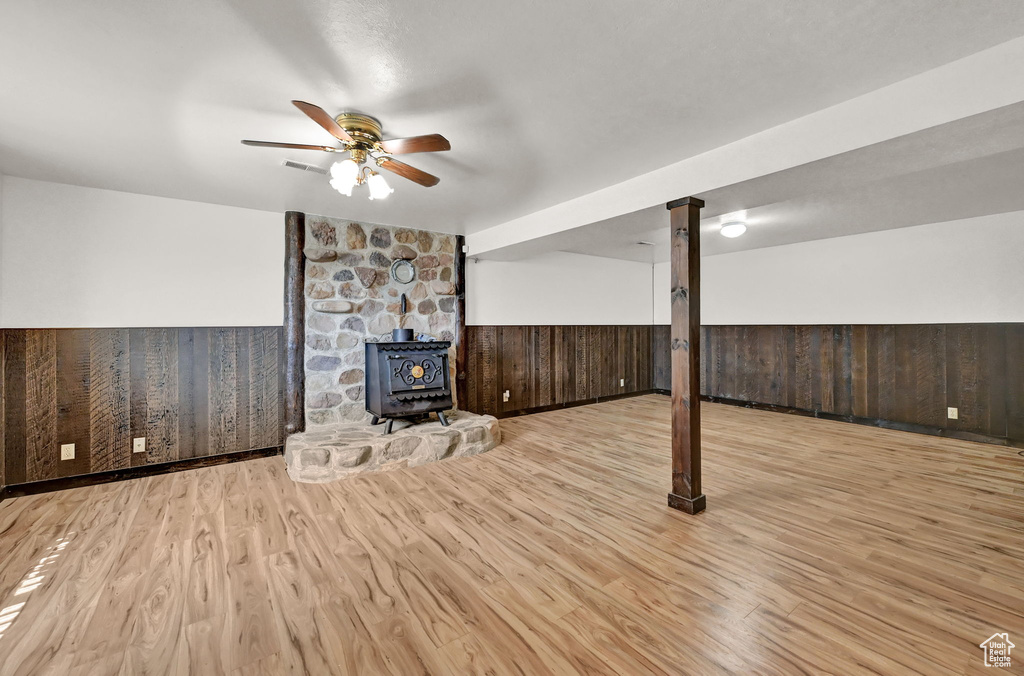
505 395
622 382
139 445
67 451
953 413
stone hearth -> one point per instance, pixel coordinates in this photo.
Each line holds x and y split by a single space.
328 452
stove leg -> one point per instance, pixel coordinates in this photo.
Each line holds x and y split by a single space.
375 421
444 420
387 426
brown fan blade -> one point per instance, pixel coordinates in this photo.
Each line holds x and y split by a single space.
430 143
411 173
297 146
322 118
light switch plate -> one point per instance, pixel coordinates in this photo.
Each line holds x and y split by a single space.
622 382
505 395
67 451
139 445
953 413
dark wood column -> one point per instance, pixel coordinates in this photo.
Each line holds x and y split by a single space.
686 492
294 322
461 354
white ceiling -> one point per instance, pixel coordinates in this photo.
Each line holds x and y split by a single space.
542 101
971 167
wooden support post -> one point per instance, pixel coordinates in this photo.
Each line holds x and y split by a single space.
461 354
686 492
294 322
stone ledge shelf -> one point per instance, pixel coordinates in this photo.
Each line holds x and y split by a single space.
329 452
334 306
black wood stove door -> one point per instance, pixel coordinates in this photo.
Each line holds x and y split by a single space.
414 372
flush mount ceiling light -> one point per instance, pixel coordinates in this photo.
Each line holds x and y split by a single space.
732 229
360 136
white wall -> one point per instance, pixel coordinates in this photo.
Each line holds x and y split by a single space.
558 288
82 257
662 306
970 270
1 249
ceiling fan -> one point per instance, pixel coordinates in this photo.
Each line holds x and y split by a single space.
360 136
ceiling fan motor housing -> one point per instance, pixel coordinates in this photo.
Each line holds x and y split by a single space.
362 128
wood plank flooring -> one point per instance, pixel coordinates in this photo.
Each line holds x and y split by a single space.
826 548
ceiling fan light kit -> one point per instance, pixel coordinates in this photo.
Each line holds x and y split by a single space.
379 188
360 136
344 176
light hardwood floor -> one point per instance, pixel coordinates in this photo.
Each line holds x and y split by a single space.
826 548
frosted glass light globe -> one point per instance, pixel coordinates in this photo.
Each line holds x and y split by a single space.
733 229
379 188
344 176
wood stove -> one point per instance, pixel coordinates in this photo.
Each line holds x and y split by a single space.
407 379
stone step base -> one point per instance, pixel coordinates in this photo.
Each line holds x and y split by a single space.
329 452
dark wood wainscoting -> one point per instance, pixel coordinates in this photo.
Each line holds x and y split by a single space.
192 392
551 366
880 374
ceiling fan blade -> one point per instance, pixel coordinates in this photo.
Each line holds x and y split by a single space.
297 146
430 143
411 173
323 118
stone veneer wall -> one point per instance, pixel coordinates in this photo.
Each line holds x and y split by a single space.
351 261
